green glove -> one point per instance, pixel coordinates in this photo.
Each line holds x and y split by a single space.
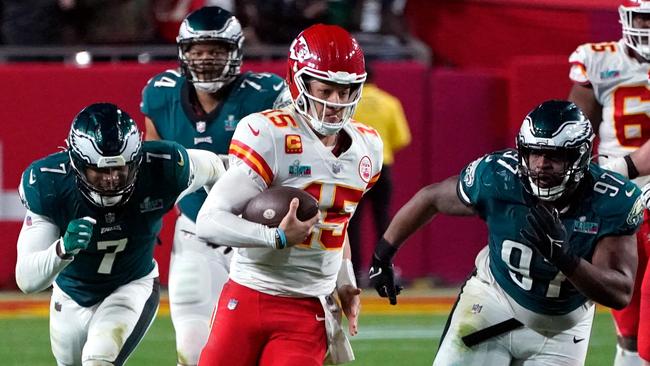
78 235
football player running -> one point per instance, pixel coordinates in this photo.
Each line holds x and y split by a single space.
611 87
199 107
560 237
276 308
93 213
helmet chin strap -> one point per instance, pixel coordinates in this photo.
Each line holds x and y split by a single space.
318 122
209 87
212 86
105 201
548 194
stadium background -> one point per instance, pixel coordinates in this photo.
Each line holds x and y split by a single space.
491 62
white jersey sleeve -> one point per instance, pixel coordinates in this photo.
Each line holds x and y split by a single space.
254 149
248 174
38 264
218 220
578 71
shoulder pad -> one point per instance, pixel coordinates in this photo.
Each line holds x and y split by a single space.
167 162
267 84
589 58
254 142
614 194
160 89
41 181
493 174
364 129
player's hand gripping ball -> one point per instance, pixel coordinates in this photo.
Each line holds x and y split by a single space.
270 206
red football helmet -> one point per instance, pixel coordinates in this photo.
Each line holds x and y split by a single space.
637 39
327 53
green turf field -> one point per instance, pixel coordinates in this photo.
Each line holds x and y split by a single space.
383 340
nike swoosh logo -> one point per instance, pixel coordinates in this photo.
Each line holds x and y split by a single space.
629 193
32 177
373 275
181 161
254 131
577 340
278 86
320 319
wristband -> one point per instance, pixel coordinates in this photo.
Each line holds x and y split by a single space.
280 239
346 274
632 172
384 251
60 250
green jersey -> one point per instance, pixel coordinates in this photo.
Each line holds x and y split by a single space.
121 249
166 101
606 204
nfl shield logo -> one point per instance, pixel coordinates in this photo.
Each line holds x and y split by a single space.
200 126
336 167
232 304
110 218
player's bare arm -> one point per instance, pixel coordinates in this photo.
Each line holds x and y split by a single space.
151 134
420 209
609 278
641 159
583 97
347 290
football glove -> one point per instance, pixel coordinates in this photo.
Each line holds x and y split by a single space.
381 274
77 235
544 230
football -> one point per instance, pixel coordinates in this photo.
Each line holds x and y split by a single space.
270 206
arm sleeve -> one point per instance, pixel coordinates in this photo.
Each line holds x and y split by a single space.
37 263
218 221
205 168
470 182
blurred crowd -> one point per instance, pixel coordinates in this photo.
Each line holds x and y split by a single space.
72 22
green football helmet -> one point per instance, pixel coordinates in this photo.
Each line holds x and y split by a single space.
105 152
560 131
210 25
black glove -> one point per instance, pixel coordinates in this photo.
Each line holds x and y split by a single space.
381 274
545 231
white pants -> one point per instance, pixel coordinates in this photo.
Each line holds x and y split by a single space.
483 303
197 274
108 331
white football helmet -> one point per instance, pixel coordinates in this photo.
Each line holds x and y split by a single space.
637 39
